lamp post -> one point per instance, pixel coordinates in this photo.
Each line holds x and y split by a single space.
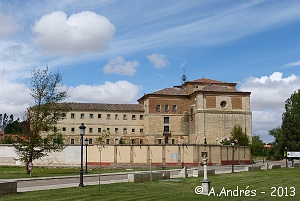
285 154
86 142
82 132
232 165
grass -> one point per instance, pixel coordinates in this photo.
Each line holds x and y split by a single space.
13 172
259 181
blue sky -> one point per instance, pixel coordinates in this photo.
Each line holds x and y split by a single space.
115 51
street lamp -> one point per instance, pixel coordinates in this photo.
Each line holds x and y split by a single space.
285 154
232 165
82 131
86 142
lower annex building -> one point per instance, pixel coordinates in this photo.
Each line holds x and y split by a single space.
188 113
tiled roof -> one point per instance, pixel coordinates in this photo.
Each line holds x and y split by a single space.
208 81
218 88
170 91
105 106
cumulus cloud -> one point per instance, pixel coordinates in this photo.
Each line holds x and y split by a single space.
158 60
8 26
82 32
15 98
268 96
120 66
109 92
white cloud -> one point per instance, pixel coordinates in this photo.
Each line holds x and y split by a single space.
268 96
120 66
109 92
15 98
8 26
82 32
158 60
292 64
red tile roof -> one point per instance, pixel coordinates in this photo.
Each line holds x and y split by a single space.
218 88
170 91
208 81
106 107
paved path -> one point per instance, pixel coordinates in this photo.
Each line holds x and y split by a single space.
34 184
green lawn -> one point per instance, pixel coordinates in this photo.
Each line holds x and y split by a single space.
284 182
13 172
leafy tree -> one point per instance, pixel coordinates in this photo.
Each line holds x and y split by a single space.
14 127
237 134
40 136
257 146
8 139
122 141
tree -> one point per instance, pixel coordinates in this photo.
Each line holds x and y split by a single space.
40 135
237 134
290 126
14 127
4 120
257 146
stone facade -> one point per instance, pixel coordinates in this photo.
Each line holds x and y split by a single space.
184 114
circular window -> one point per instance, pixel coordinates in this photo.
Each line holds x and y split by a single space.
223 103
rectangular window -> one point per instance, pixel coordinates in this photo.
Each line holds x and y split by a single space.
141 117
107 130
72 129
125 130
141 141
72 116
64 129
91 116
81 116
133 117
173 141
99 116
63 115
159 141
107 141
133 130
141 130
108 116
99 130
116 130
166 120
166 129
90 130
90 141
116 116
124 117
72 141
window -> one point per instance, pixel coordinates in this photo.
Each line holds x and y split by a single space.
99 130
107 141
141 117
124 117
90 130
166 120
159 141
91 116
90 141
173 141
116 130
116 116
133 130
108 116
158 108
166 108
125 130
72 141
107 130
99 116
132 141
174 108
166 129
63 115
133 117
72 116
81 116
64 129
141 130
141 141
72 129
223 104
116 141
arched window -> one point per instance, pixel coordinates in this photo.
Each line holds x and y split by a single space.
174 108
158 108
166 108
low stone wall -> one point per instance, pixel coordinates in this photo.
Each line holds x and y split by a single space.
200 173
145 176
252 168
8 187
